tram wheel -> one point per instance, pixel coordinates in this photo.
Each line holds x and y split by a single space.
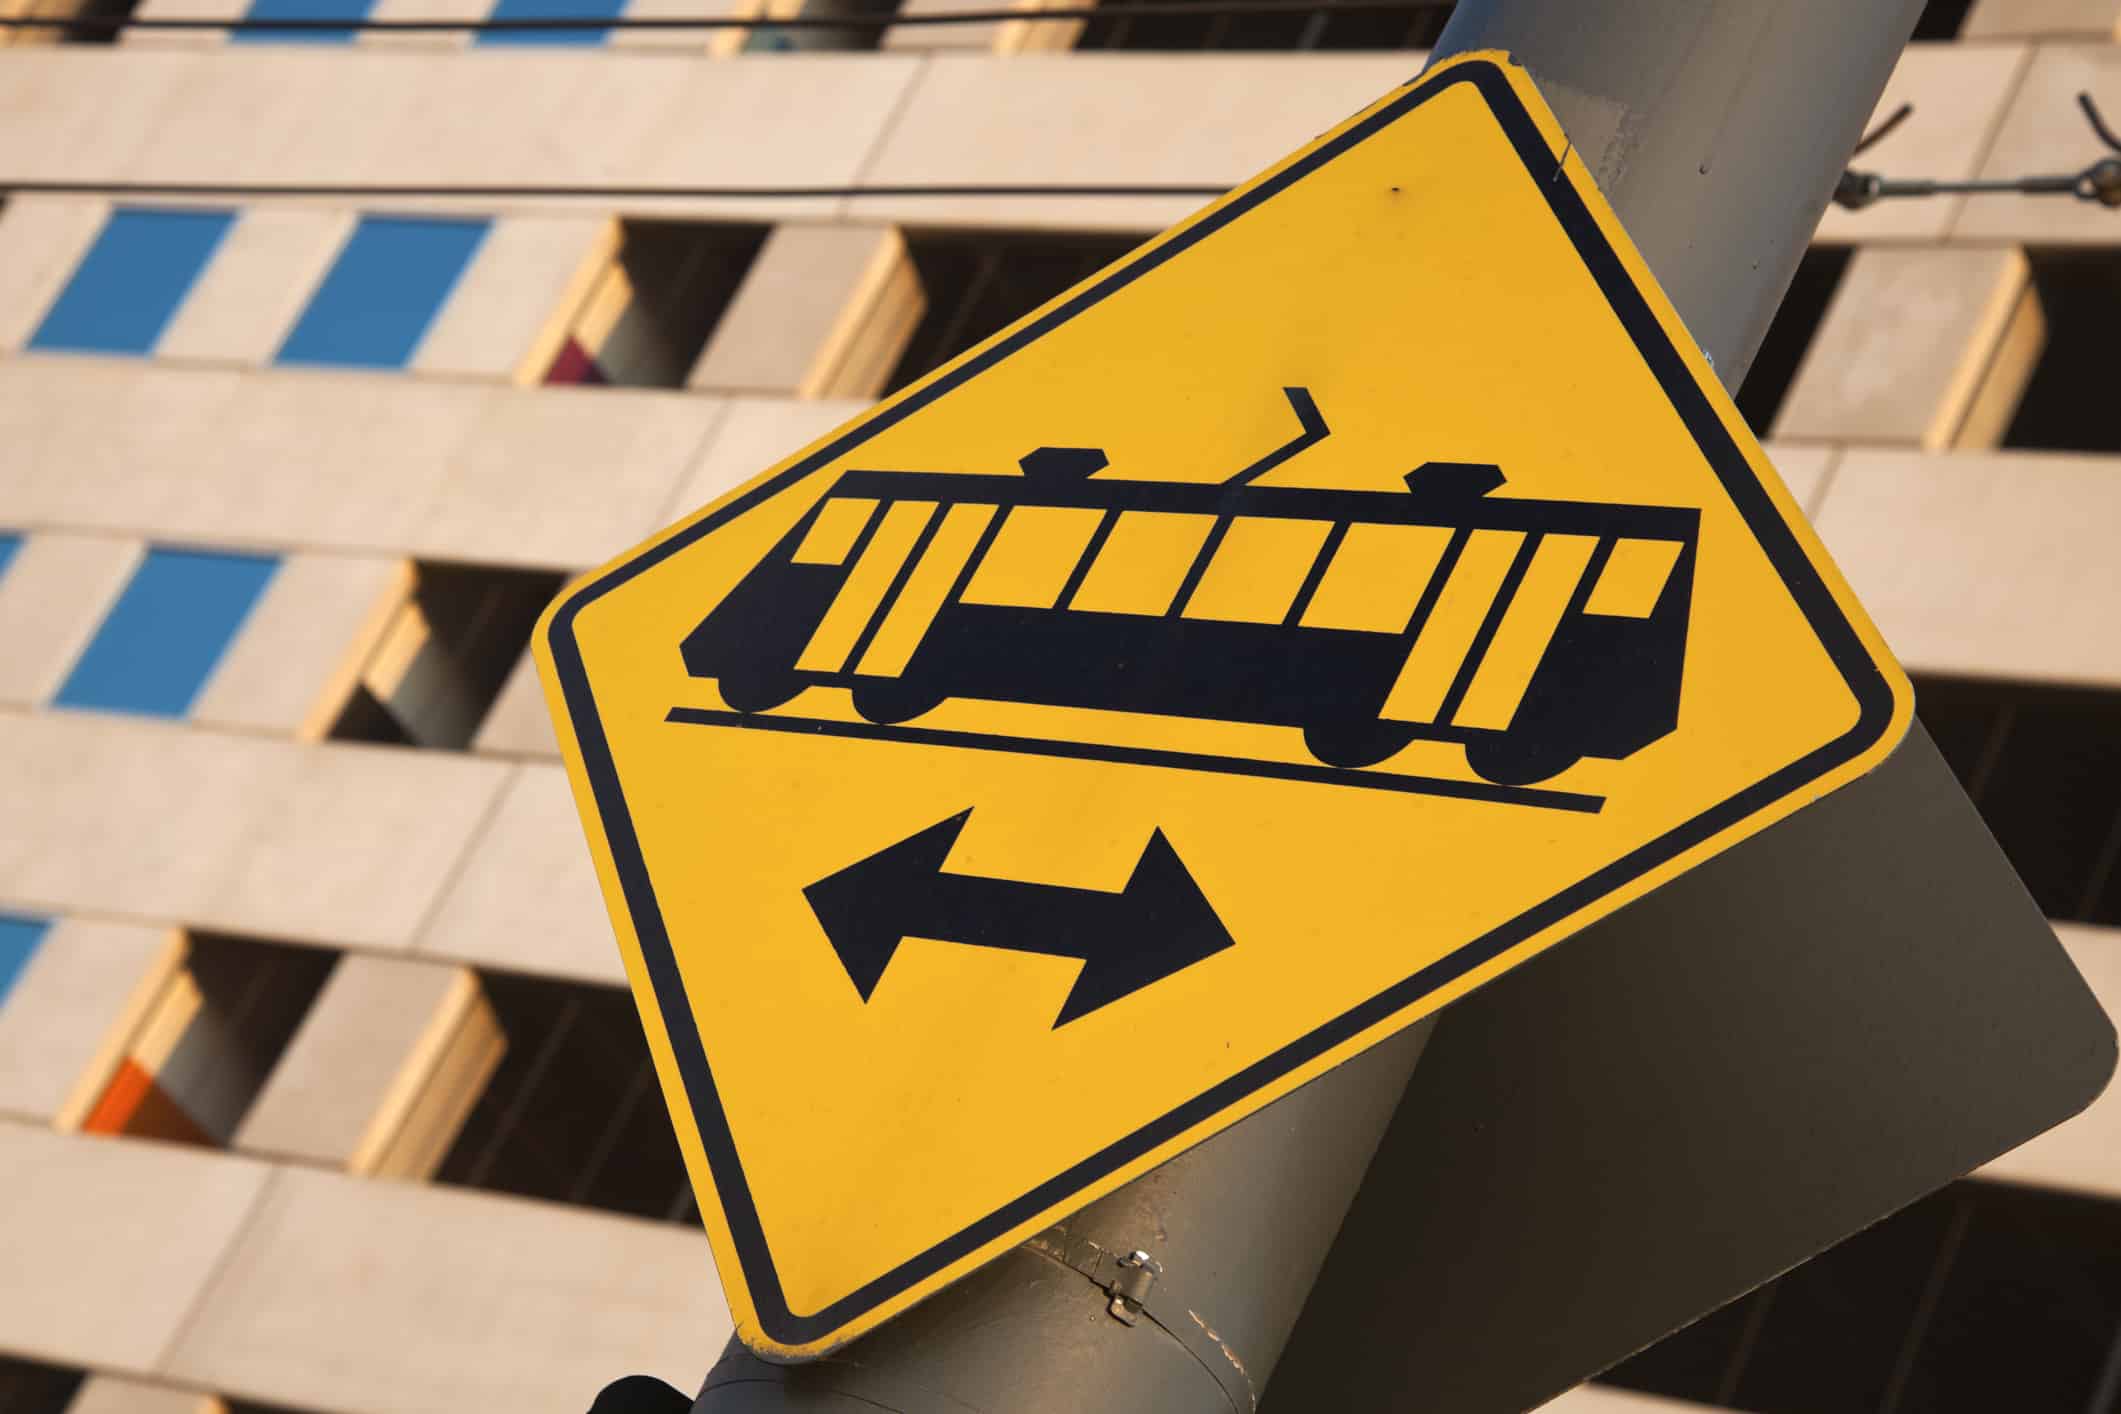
885 701
1360 742
749 690
1515 761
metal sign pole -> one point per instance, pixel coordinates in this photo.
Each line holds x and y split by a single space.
1785 1044
1235 1229
1717 128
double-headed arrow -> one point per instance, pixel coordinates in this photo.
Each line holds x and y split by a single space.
1159 924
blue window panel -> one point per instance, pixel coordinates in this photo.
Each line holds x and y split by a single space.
382 292
162 638
9 544
19 937
551 10
301 10
134 276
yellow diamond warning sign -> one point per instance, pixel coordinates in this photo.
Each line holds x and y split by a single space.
1346 595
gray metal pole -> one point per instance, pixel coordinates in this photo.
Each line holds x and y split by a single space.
1718 128
1239 1223
1804 1031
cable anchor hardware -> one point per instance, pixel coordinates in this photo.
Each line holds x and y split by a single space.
2099 182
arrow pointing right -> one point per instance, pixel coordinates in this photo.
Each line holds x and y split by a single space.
1158 925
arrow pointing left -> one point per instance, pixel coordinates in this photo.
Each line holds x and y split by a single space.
1159 924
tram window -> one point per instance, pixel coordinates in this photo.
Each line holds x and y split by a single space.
1033 556
1143 562
1377 577
2064 404
976 284
1257 570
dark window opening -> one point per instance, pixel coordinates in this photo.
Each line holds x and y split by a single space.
1789 337
574 1113
1414 25
93 22
216 1025
1942 19
977 284
1978 1298
771 39
442 659
2043 766
649 314
103 16
27 1387
2065 403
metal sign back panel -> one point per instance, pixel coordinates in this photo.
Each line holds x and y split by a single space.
1348 594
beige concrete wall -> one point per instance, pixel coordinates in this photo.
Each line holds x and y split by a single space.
562 477
824 118
328 843
114 1394
1807 471
991 36
346 461
42 239
181 10
2043 19
371 1043
527 899
694 41
392 1298
110 1242
291 665
518 723
254 287
753 435
2044 132
322 1291
2081 1155
422 10
824 312
1082 118
55 593
1603 1399
70 1011
827 119
506 316
137 113
1959 92
1992 565
1907 345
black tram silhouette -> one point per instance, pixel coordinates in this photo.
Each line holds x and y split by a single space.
910 588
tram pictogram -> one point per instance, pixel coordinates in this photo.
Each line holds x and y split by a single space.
1534 632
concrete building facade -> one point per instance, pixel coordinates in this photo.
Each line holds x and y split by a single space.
319 1086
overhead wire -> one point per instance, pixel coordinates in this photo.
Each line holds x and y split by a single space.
1139 9
480 192
2099 182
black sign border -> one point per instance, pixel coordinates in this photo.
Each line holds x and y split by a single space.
1873 692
